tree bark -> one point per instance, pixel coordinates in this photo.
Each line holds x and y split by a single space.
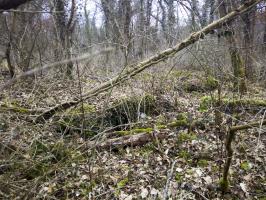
65 28
130 140
248 30
236 59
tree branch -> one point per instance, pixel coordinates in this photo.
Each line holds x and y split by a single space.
133 70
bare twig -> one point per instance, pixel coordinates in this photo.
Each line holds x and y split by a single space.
169 177
52 65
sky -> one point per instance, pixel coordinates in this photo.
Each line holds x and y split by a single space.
94 5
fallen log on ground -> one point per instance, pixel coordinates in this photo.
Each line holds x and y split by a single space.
18 109
135 69
130 140
144 138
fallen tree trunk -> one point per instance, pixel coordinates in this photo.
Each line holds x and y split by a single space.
144 138
130 140
133 70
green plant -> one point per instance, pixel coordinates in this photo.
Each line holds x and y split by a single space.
245 166
205 102
185 137
202 163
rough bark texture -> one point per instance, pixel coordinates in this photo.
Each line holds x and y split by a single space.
65 27
248 30
130 140
133 70
236 59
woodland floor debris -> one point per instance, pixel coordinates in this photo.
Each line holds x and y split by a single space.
38 161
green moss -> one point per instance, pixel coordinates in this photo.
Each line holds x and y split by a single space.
224 184
181 120
211 82
185 137
87 108
178 123
202 163
184 154
161 127
245 166
123 133
122 183
86 187
245 102
161 119
15 108
215 168
176 73
205 103
142 130
178 177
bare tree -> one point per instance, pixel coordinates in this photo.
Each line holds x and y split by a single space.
236 60
248 30
65 28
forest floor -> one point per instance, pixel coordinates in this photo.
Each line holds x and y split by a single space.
60 159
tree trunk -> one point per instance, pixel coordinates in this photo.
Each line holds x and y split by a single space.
65 28
171 21
236 59
249 23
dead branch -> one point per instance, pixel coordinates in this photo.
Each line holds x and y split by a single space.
229 150
133 70
130 140
83 57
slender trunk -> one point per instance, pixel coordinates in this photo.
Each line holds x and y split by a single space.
142 30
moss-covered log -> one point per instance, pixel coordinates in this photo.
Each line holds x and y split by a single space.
228 105
120 113
18 109
130 140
